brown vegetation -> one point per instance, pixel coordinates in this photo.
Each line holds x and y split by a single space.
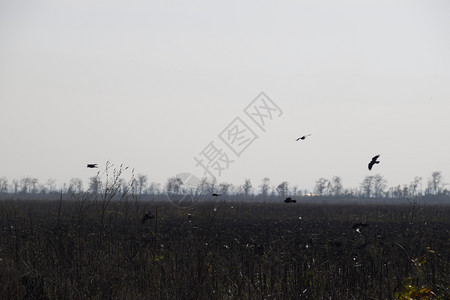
83 249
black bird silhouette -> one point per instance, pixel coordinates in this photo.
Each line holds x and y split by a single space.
147 216
374 161
92 166
303 137
215 195
290 200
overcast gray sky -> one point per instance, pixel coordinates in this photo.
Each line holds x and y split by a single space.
151 84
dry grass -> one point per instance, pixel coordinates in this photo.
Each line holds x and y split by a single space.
80 249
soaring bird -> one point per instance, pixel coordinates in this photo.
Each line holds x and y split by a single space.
92 166
148 215
290 200
374 161
302 137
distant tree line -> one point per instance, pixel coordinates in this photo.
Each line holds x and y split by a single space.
373 186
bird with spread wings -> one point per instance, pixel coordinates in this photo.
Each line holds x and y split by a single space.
374 161
302 137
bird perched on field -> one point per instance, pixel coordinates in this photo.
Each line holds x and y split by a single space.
92 166
302 137
374 161
215 195
290 200
147 216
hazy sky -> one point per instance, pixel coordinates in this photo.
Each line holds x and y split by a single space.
151 84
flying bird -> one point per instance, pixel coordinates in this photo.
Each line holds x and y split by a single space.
302 137
147 216
215 195
374 161
290 200
92 166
